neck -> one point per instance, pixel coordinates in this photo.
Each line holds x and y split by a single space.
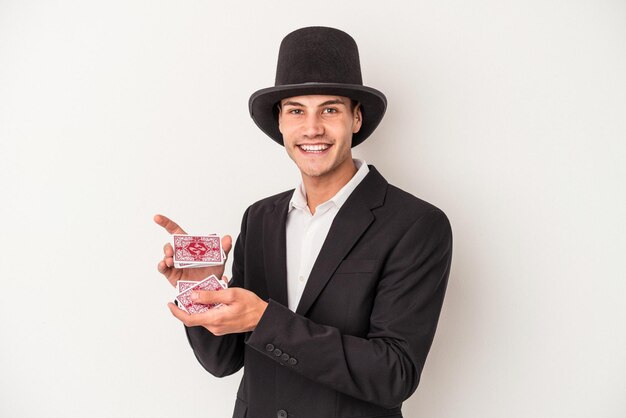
320 189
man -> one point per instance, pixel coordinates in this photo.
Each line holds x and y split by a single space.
337 285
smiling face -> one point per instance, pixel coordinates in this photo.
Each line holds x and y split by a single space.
317 134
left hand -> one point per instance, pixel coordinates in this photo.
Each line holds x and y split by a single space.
166 265
241 311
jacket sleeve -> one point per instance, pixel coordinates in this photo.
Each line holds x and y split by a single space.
383 367
223 355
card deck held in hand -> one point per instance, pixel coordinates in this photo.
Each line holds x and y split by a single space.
196 251
185 288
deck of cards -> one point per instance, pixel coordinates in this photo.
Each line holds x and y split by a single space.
185 288
196 251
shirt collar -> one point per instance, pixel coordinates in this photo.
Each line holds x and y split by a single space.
298 199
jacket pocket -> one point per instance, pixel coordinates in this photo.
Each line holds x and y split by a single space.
356 266
241 409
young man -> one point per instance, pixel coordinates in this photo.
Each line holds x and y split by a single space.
337 285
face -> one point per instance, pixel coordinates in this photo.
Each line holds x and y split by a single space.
317 133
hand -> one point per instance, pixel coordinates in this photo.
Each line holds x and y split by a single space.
166 266
241 311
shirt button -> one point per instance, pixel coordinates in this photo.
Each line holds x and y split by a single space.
269 347
278 352
292 361
301 278
281 413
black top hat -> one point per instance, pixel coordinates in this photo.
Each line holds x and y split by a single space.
317 60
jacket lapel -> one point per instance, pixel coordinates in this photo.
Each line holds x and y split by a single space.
275 250
352 220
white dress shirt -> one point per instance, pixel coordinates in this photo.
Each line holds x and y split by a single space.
306 232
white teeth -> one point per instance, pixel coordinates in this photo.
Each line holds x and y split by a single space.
314 148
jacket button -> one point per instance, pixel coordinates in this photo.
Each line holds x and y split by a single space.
293 361
285 357
269 347
278 352
281 413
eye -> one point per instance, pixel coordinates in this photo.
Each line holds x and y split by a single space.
296 111
329 110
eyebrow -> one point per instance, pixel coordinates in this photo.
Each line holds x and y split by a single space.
326 103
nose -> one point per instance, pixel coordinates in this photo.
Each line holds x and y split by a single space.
313 126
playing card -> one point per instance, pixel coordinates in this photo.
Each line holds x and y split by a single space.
183 285
184 297
188 265
194 251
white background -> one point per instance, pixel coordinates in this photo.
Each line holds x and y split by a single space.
510 116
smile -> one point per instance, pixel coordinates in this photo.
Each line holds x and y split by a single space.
317 148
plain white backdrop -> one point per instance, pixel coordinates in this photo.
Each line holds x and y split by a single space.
509 115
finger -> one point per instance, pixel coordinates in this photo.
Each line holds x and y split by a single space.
169 225
227 244
167 272
168 251
188 319
208 297
162 267
181 315
225 280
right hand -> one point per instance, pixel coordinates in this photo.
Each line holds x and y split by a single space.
166 266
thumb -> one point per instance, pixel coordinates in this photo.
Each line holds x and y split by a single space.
208 297
227 244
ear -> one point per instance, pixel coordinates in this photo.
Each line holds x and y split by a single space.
358 119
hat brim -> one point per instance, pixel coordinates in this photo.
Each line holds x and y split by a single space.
264 112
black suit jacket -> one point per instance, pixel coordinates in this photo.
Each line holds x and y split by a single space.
357 343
